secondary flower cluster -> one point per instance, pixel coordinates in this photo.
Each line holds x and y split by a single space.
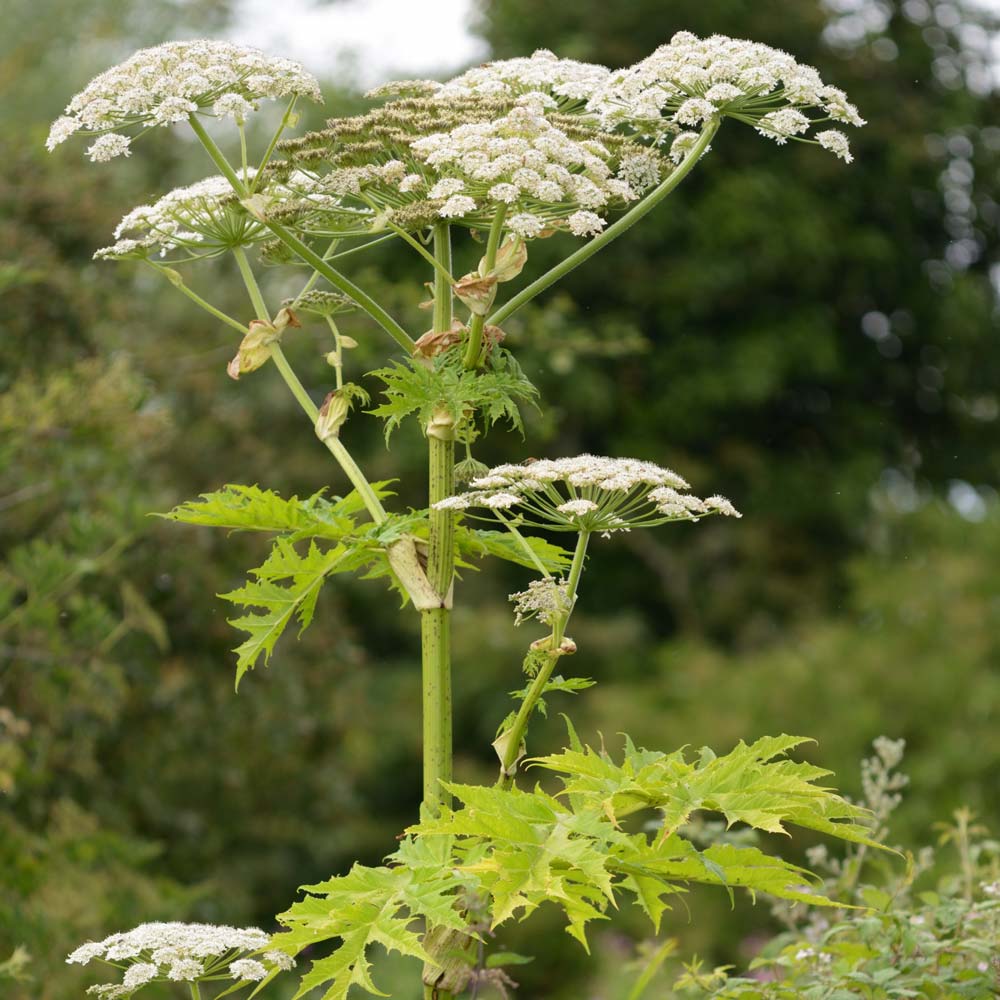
690 80
522 161
178 952
202 220
170 82
566 80
587 493
416 161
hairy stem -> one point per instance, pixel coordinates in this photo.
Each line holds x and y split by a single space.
474 347
304 252
435 630
514 737
613 231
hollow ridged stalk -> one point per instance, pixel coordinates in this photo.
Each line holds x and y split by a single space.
435 623
435 632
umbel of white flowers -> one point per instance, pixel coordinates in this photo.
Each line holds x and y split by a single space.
590 493
170 82
178 952
551 143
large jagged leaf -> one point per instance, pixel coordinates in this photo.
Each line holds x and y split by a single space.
748 785
285 587
249 508
415 388
479 543
370 906
527 848
533 851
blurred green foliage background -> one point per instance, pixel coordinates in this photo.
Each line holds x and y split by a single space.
816 341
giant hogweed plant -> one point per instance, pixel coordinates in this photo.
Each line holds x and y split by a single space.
474 170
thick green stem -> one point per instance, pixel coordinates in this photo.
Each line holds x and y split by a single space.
435 639
475 345
435 625
195 992
514 737
628 220
304 252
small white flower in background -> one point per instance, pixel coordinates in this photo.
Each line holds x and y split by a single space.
167 83
526 225
546 599
280 959
585 224
234 106
587 493
837 143
107 147
180 952
139 974
247 968
692 80
184 969
457 205
577 507
543 73
782 125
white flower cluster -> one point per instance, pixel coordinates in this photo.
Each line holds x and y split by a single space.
546 599
587 493
170 82
521 160
201 219
543 72
181 952
691 80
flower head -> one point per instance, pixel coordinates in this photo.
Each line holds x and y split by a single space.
196 221
170 82
177 952
465 153
587 493
690 81
567 81
546 599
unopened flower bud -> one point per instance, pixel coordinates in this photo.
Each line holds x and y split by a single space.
332 415
255 348
469 469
